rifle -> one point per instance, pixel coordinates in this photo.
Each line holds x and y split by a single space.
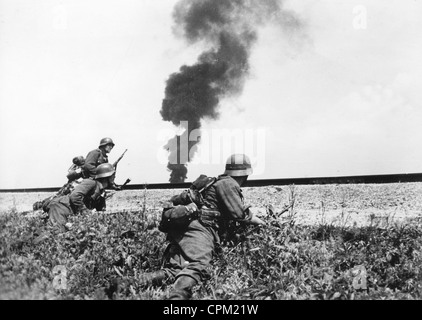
117 161
110 194
126 182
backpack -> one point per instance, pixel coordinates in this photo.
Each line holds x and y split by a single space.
184 208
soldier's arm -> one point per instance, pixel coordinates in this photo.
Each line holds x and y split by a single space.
91 160
255 220
231 201
98 198
78 195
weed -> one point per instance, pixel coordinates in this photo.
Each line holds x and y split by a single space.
282 261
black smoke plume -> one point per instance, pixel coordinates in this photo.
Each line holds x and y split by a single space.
229 28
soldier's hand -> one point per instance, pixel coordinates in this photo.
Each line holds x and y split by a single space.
85 211
257 221
191 207
116 187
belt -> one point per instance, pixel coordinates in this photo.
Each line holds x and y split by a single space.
208 214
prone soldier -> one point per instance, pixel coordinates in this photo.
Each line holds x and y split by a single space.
192 247
87 195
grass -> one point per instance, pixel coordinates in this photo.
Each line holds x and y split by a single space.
282 262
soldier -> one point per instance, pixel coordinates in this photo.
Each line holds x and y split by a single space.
190 251
87 195
74 175
83 168
97 157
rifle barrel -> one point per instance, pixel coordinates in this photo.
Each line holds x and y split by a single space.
118 159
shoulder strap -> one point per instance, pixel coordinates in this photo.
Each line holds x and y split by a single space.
202 182
209 184
198 187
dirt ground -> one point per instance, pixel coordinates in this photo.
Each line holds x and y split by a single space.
351 204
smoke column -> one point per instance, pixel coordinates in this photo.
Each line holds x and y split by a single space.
229 27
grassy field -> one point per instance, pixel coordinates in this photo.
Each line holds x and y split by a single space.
322 242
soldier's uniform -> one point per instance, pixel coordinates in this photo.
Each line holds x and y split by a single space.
86 196
190 251
81 168
97 157
93 160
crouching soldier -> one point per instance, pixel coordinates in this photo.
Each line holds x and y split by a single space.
191 249
97 157
87 195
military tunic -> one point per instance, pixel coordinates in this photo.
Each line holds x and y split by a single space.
86 195
190 252
93 160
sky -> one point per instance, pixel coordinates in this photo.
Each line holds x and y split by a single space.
339 96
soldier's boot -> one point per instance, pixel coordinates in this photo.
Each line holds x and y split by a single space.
154 279
182 288
122 285
119 285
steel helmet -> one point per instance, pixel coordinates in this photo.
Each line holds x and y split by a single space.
104 170
238 165
106 141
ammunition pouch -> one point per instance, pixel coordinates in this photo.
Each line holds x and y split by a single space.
185 206
177 218
183 198
209 217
